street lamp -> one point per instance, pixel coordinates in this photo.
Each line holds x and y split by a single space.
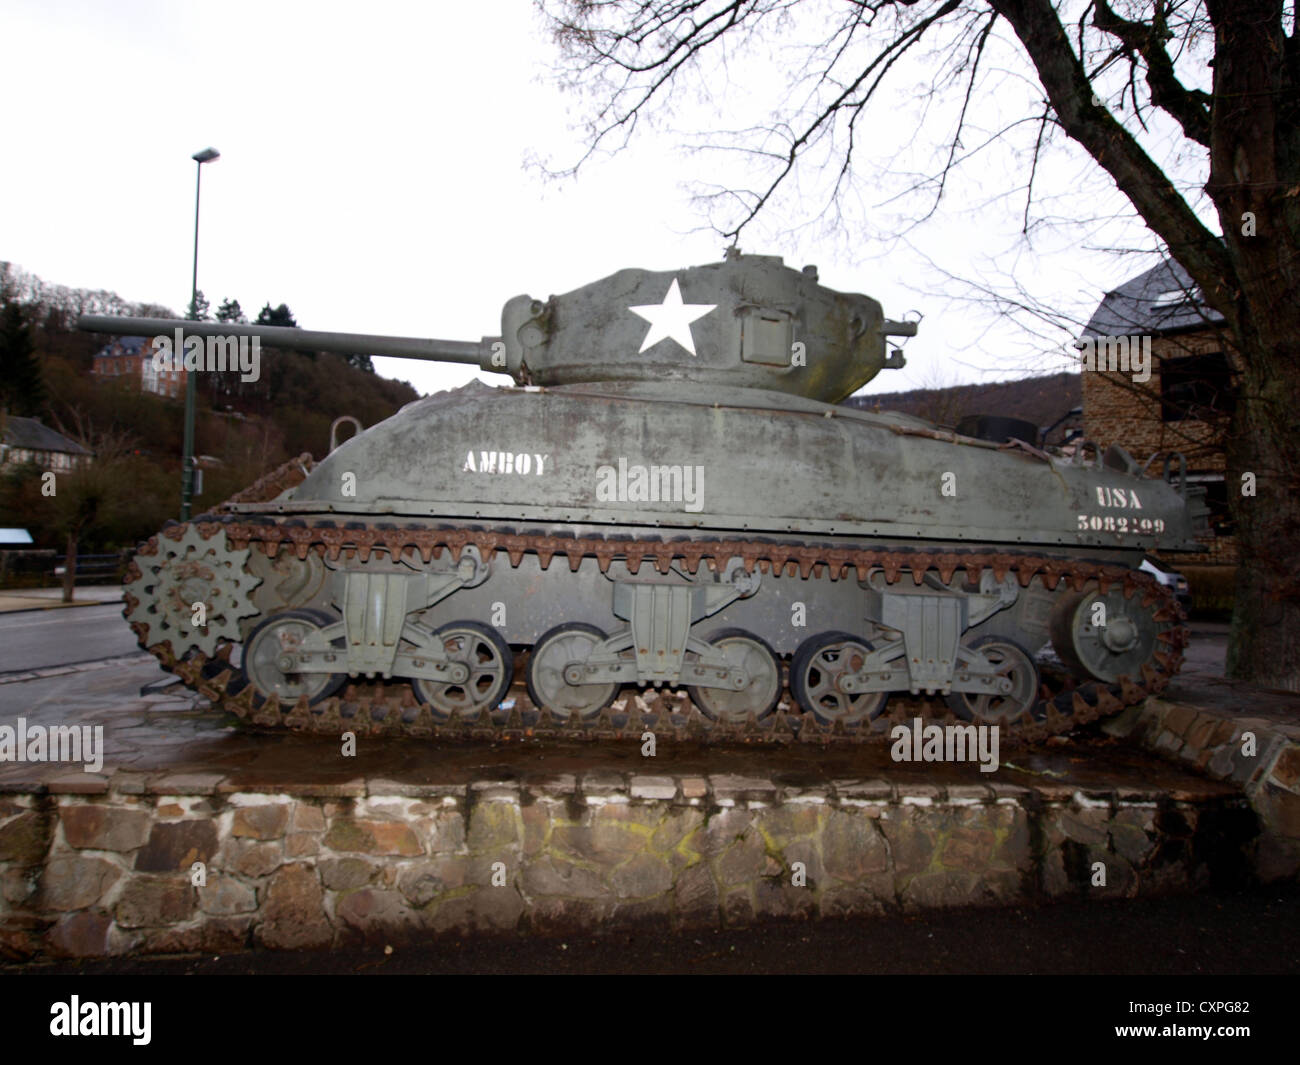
191 385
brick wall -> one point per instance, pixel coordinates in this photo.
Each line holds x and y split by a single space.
1118 411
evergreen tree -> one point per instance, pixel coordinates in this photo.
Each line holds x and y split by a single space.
200 309
230 311
22 389
280 315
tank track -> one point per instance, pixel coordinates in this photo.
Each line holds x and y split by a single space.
376 708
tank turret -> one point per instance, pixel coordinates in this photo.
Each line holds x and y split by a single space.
748 322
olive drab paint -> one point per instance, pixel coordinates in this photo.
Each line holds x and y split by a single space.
657 407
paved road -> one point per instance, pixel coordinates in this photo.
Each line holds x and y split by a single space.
82 694
36 638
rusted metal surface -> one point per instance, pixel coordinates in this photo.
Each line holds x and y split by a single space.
281 479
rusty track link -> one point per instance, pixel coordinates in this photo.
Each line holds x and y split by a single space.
375 708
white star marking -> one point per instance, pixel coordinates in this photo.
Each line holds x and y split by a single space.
671 320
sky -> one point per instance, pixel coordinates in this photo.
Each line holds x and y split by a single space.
373 176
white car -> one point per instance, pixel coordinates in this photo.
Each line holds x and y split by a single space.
1170 578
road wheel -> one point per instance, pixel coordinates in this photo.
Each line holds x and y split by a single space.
759 696
491 669
558 648
265 664
815 672
1011 661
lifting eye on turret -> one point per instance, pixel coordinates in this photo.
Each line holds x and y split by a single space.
896 360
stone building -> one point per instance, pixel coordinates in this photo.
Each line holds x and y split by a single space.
131 359
1180 400
27 440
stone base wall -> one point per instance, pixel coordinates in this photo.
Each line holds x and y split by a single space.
1259 755
176 863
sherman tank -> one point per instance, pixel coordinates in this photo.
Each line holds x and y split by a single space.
670 503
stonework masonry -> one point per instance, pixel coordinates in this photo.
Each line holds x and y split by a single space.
1258 754
92 867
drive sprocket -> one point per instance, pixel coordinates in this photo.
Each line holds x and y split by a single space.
171 574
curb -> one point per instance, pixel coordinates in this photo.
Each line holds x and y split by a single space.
58 606
21 676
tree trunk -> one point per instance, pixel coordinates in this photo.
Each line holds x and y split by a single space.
1253 181
70 568
1264 647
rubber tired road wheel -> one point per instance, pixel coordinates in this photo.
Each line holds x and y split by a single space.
547 687
491 669
279 634
1009 660
814 674
763 690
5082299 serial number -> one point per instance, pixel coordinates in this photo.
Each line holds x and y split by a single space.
1119 523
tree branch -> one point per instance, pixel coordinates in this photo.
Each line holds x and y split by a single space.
1191 107
1147 187
888 56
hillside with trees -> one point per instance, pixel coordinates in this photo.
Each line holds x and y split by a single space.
1045 401
242 429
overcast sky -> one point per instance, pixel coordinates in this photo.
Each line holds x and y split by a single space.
372 177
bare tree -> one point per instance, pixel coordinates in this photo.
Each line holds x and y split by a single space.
1210 88
90 493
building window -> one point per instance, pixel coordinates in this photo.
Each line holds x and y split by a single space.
1197 386
1216 498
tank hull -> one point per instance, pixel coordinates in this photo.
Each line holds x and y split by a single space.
729 545
731 461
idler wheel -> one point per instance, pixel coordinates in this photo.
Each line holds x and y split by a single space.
759 696
263 661
1107 643
558 648
818 665
1012 662
491 669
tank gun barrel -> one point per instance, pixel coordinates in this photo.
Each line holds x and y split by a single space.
466 352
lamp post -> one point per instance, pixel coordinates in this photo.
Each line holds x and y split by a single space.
191 383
